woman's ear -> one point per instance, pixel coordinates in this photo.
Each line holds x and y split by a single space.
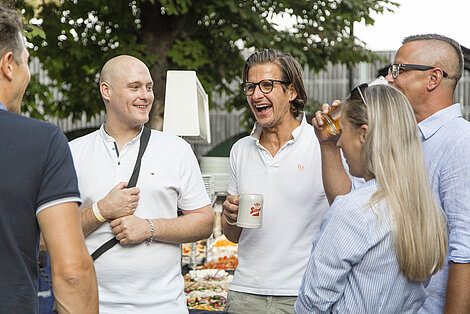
363 131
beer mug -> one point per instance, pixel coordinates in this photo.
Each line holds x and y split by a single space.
250 211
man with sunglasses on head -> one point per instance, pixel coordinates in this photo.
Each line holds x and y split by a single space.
281 161
427 69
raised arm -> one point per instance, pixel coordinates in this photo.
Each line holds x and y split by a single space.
73 274
336 181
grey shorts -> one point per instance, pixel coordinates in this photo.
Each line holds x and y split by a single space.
246 303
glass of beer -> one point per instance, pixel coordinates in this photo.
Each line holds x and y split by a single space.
331 119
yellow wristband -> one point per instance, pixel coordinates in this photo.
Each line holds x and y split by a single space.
97 213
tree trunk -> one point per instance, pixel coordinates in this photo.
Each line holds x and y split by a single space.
158 34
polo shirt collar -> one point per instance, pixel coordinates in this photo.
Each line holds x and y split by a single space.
432 124
2 107
258 129
109 138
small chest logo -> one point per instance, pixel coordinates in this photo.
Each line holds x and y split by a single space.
255 210
300 167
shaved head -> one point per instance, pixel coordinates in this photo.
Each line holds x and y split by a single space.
126 87
429 90
440 51
117 67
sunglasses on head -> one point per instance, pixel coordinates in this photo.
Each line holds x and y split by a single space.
358 91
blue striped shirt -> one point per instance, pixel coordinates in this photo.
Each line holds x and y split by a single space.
352 266
446 148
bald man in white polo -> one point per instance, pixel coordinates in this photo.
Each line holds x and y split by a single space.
143 273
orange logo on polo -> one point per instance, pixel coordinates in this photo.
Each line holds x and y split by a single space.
300 167
255 209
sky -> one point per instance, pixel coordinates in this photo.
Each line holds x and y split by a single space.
446 17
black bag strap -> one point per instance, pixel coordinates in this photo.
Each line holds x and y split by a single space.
144 139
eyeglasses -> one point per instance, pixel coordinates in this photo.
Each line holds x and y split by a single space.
394 69
265 86
359 90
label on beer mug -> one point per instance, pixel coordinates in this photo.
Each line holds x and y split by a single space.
250 211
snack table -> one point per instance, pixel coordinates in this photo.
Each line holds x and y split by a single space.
206 287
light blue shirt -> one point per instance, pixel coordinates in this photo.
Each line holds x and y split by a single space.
446 147
353 266
2 106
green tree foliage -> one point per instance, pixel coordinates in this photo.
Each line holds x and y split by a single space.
207 36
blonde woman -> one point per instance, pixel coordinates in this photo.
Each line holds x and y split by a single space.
381 242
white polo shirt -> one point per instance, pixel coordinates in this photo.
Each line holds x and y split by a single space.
139 278
272 260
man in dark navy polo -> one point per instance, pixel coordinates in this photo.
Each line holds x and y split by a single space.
38 191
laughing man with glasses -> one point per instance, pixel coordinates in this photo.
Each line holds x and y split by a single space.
281 161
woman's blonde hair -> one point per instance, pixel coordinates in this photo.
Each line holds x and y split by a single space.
392 154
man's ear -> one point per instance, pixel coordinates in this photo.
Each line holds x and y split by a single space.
105 90
435 79
6 65
292 92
